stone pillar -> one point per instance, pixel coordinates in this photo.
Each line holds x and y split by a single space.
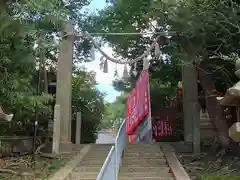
190 97
64 86
187 106
196 128
56 130
191 106
78 128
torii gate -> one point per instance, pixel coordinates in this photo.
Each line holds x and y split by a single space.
62 122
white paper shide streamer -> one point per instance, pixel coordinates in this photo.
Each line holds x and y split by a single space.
135 70
92 53
157 52
145 63
105 66
104 59
101 62
119 61
125 72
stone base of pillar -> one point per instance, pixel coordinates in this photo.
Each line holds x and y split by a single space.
65 147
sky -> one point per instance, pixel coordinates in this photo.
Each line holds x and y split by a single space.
104 79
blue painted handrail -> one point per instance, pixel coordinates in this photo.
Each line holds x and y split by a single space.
113 162
108 170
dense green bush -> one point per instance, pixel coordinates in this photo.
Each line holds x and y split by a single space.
90 102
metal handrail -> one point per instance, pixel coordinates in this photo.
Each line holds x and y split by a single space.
113 162
120 143
108 170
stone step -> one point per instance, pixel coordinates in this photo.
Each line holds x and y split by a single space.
145 173
143 149
146 178
92 161
86 162
91 165
128 169
84 168
144 161
103 152
140 158
142 164
85 174
143 157
71 177
144 152
143 145
96 154
91 158
139 164
77 147
124 178
99 150
81 178
101 146
152 154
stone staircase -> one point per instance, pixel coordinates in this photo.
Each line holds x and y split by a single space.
144 162
90 166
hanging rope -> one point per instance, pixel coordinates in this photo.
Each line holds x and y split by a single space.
105 57
169 33
118 61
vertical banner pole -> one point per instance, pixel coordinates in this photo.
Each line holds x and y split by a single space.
145 130
141 127
149 114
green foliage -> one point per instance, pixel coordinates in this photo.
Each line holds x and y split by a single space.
207 35
17 64
26 25
89 101
205 31
115 112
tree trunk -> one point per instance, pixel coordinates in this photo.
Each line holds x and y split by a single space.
214 110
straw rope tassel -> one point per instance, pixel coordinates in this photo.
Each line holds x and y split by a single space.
105 66
145 63
92 53
125 72
135 70
157 50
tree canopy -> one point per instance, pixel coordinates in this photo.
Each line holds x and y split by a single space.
88 100
206 36
115 112
29 31
203 29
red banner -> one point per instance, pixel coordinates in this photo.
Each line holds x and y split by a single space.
132 139
161 128
137 103
131 115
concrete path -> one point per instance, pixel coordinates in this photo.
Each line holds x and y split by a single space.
106 138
